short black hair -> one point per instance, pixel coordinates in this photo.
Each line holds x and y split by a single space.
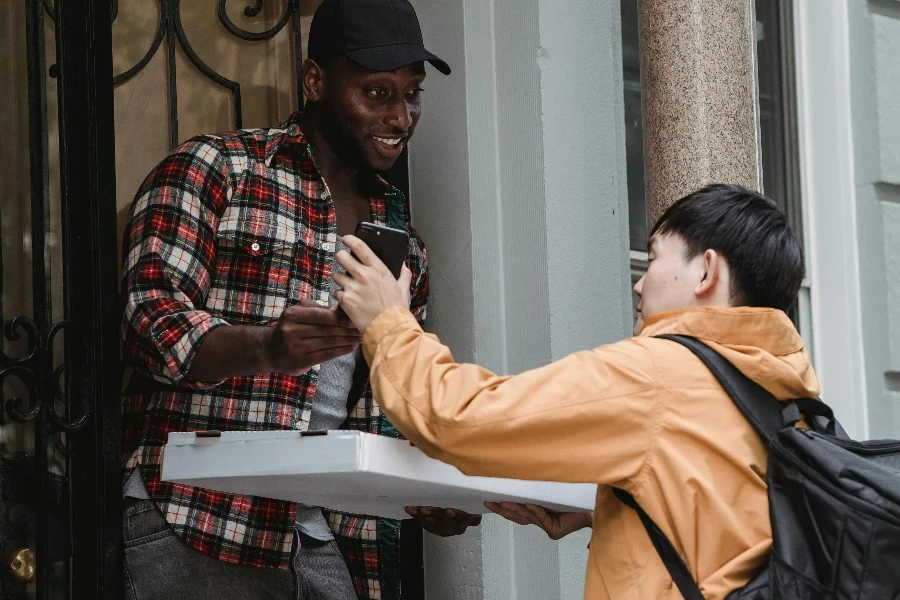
752 235
324 61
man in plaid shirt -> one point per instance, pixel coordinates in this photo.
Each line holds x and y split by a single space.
230 321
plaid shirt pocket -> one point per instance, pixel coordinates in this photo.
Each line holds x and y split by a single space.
257 252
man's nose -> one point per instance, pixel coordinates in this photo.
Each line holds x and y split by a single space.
400 116
639 286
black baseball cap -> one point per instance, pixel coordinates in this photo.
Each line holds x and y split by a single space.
379 35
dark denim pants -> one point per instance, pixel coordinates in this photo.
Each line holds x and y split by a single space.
159 566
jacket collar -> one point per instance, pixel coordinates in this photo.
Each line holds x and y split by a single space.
765 328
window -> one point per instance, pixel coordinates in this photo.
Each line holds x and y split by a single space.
634 130
778 129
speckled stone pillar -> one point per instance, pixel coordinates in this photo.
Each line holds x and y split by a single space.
700 105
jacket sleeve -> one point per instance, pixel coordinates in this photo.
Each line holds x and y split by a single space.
590 417
169 252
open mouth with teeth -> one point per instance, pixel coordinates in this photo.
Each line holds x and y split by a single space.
389 141
389 147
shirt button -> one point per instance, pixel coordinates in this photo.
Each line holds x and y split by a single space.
254 246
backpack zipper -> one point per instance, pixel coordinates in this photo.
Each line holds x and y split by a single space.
873 447
871 509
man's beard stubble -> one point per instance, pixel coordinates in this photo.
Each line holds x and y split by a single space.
341 139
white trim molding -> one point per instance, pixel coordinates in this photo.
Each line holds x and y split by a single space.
829 206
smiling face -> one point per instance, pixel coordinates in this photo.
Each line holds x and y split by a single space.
367 116
674 280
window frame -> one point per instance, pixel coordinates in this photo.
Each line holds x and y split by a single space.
790 156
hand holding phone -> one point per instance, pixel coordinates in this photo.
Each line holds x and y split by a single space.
366 289
389 245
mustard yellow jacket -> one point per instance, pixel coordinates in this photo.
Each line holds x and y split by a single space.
642 414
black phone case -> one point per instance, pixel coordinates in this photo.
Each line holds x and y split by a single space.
388 244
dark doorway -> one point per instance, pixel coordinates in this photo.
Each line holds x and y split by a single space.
59 364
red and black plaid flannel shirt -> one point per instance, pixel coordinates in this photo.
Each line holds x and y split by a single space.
231 229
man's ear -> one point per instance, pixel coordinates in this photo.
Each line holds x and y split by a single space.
314 81
712 275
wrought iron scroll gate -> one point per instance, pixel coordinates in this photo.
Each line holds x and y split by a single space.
60 502
170 28
64 517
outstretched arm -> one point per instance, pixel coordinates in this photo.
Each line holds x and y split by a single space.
587 418
304 335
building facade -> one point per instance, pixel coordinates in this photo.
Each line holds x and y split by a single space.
565 128
534 249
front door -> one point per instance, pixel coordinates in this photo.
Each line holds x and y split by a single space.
59 358
93 95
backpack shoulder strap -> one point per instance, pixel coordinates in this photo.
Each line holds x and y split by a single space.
667 552
756 404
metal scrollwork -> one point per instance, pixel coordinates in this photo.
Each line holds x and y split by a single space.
80 348
11 331
50 8
22 369
27 370
212 75
15 404
170 28
157 41
252 11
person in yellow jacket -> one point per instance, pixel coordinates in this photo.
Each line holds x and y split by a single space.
643 414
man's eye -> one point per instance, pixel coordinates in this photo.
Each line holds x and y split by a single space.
415 92
377 93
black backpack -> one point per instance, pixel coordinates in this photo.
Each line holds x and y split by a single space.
834 503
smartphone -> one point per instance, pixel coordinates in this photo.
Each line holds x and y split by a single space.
389 244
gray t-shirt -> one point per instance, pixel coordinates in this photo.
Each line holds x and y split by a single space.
329 411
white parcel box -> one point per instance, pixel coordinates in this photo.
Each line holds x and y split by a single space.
348 471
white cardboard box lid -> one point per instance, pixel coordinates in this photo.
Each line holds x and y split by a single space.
349 471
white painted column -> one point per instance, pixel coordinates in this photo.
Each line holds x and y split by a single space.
829 209
874 48
848 84
517 177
